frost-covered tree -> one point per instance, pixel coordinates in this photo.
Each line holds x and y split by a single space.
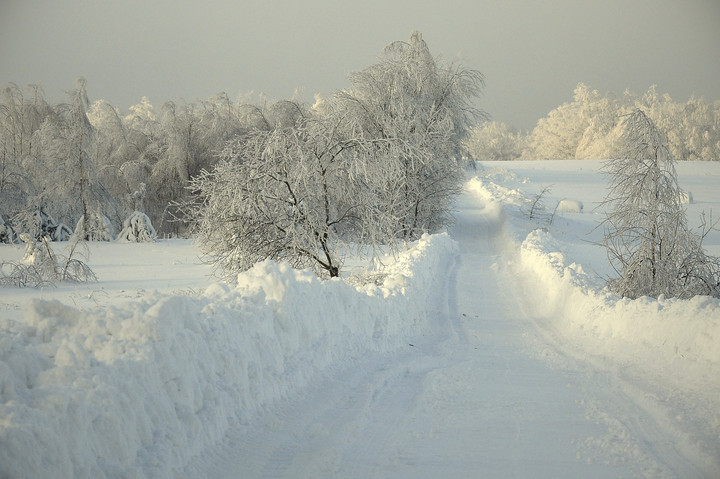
21 116
60 180
291 193
588 127
192 134
600 115
147 143
410 96
175 166
556 137
378 163
646 233
111 150
494 141
75 189
578 129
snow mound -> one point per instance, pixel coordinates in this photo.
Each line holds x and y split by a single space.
662 330
570 206
138 390
137 228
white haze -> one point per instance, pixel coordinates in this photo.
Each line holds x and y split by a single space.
532 53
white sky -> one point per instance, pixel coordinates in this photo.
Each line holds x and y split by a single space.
532 52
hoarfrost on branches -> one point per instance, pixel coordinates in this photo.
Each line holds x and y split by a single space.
646 232
374 165
429 105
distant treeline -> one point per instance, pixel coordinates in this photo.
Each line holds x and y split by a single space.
589 126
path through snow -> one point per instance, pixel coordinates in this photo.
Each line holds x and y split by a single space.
474 401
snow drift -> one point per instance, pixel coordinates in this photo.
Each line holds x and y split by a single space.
137 390
667 328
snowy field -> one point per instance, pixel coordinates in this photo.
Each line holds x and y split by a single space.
489 351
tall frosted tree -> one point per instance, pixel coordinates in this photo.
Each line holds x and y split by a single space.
411 97
646 234
67 187
21 116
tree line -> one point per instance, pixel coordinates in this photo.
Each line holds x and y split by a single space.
591 125
70 161
375 163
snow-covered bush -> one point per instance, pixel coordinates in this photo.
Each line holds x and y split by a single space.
378 164
137 228
290 194
41 266
39 224
97 228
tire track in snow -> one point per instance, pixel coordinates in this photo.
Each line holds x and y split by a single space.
638 430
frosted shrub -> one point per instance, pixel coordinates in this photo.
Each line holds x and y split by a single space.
376 165
40 224
138 228
284 195
97 227
41 266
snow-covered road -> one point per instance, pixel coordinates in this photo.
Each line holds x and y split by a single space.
473 401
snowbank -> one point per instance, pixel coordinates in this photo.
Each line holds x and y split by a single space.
665 328
137 390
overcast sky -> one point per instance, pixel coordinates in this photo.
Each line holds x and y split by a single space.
532 52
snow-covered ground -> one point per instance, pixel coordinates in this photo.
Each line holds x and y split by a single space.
490 351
